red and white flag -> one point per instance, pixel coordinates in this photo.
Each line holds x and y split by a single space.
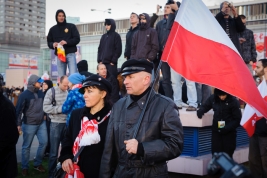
199 49
251 115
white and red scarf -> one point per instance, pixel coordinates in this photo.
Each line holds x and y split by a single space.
77 86
88 134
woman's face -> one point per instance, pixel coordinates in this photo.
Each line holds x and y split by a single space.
44 86
93 96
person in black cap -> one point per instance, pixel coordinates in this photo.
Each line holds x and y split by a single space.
110 48
160 137
96 92
68 36
8 136
83 68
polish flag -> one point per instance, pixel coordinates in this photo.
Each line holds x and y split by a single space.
250 115
196 41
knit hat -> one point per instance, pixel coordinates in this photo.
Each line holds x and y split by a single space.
76 78
82 66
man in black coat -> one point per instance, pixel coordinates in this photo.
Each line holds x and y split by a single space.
102 71
134 20
68 36
8 136
232 26
163 28
82 67
160 136
110 48
145 43
226 119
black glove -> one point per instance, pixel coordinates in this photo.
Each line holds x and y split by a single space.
199 114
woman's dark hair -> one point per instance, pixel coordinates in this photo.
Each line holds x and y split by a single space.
107 98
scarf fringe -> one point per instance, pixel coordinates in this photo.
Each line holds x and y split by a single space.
89 138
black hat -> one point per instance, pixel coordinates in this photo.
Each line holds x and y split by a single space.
98 81
133 66
82 66
107 22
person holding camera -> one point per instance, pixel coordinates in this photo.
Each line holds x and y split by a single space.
163 29
53 102
232 26
226 119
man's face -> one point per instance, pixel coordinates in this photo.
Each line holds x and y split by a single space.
142 19
222 97
60 17
134 19
136 83
259 69
167 9
244 21
108 27
227 8
37 85
102 70
64 84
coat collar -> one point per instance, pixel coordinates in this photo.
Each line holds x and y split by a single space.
140 102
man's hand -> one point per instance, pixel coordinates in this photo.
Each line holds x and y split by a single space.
158 7
67 165
111 64
55 45
174 6
19 129
131 146
234 11
63 42
148 60
242 40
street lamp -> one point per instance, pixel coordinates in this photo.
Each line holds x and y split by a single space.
107 10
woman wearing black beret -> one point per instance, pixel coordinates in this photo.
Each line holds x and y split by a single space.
87 127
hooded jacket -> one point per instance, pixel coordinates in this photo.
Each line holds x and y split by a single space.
49 84
64 31
110 47
30 104
145 43
227 110
129 37
235 26
83 68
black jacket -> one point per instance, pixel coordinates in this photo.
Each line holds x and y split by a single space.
227 110
161 135
248 47
64 31
90 157
129 37
8 138
114 95
110 47
163 28
145 43
235 26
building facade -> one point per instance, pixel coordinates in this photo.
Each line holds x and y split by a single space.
22 24
256 12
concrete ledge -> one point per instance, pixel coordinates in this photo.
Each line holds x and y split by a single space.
198 165
190 119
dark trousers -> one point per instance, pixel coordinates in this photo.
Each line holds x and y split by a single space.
112 69
48 121
223 143
258 156
166 80
8 163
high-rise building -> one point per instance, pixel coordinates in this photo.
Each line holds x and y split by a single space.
73 20
22 24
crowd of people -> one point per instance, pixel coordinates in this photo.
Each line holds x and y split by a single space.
98 112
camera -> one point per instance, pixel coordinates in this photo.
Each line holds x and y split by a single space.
225 167
160 7
230 5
